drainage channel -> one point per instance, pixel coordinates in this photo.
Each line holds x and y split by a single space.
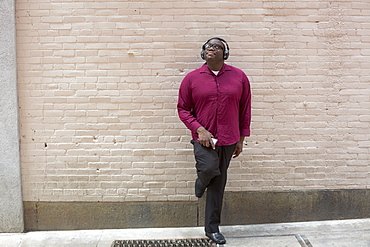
198 242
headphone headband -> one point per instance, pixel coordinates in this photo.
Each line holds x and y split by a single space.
225 53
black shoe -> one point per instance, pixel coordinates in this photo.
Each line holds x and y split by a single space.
216 237
199 188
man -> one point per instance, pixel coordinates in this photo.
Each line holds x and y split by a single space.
214 102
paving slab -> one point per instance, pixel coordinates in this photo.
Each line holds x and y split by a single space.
273 241
340 239
11 240
84 238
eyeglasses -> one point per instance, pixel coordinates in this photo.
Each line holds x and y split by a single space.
214 46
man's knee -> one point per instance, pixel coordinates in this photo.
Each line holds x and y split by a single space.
208 170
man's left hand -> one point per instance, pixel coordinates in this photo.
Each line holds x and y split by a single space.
238 148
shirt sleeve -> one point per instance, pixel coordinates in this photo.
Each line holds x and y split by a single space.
185 106
245 108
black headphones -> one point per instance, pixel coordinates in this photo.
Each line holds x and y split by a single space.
226 52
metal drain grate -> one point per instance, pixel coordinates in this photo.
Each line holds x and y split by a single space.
192 242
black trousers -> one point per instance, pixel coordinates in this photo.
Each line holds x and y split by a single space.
212 168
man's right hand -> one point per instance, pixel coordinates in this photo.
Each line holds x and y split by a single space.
205 137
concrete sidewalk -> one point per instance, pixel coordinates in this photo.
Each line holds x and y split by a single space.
339 233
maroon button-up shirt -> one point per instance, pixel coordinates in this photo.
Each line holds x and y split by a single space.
221 104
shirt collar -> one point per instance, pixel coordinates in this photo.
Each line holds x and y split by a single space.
205 69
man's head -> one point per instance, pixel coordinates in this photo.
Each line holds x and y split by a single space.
215 48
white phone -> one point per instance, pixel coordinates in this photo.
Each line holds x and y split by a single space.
214 140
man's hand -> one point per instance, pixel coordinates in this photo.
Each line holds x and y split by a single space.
205 137
239 147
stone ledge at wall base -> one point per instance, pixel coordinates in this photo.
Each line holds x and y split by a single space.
240 208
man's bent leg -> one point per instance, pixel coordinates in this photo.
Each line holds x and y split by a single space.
206 163
215 190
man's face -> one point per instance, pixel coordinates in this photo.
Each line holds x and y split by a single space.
214 50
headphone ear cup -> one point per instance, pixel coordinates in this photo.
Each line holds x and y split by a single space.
202 54
226 54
